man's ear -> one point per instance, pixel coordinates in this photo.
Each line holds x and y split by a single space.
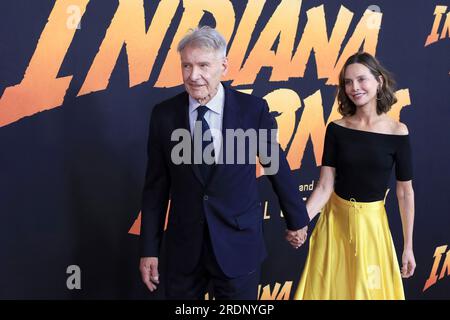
224 66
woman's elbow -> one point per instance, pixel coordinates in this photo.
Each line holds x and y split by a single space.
405 190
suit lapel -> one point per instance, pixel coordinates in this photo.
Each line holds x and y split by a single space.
230 120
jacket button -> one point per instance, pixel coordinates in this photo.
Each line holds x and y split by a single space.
205 198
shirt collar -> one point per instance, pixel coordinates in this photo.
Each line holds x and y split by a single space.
216 104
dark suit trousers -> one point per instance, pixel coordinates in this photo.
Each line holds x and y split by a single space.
208 275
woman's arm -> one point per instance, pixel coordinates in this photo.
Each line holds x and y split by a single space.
322 191
319 197
405 196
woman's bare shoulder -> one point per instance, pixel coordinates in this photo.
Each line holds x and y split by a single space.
401 129
341 122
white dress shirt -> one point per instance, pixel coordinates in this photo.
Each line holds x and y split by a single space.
213 116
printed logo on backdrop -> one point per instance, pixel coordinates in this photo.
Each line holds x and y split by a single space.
441 26
442 263
277 291
127 29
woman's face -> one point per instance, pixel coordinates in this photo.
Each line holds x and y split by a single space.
361 85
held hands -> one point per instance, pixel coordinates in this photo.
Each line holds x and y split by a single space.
298 237
149 272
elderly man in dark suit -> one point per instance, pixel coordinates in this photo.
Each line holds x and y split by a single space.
214 234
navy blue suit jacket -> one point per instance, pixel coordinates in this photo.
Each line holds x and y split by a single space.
228 202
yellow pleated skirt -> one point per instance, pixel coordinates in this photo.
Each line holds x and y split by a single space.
351 255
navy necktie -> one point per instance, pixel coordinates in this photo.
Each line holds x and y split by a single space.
205 168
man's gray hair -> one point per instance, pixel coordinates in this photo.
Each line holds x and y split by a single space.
204 37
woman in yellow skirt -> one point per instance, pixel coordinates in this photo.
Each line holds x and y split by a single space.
351 253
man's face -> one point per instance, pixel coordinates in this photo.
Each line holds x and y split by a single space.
202 69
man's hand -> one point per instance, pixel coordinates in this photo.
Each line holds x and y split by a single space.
298 237
149 272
